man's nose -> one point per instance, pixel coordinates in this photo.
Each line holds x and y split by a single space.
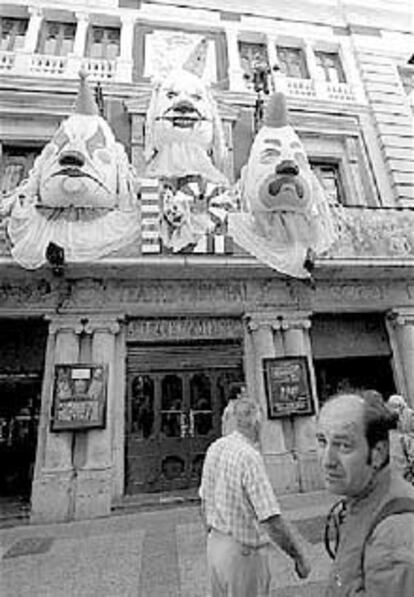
71 158
288 167
330 456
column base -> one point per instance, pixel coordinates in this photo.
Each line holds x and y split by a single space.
93 493
52 497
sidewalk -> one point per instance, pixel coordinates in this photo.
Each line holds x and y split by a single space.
156 553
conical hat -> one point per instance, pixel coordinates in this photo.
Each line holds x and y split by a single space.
276 111
85 102
196 61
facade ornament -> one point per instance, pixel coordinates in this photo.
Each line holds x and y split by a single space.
401 316
286 219
81 195
185 150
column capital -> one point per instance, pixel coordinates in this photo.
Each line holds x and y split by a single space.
103 324
82 16
35 11
128 18
295 320
64 325
256 321
401 316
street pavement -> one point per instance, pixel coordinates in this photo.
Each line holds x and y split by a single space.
151 553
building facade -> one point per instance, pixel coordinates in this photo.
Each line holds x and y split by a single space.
175 330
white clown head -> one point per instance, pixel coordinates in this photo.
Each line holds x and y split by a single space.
287 215
184 135
80 195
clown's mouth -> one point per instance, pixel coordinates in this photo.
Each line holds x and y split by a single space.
182 122
76 173
286 183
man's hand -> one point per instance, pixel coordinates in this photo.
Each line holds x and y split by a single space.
302 567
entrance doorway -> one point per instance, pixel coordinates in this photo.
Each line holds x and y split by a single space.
339 375
176 396
22 348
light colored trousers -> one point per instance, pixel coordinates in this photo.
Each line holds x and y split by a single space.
234 570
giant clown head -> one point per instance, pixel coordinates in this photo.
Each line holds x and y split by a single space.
184 134
288 212
81 193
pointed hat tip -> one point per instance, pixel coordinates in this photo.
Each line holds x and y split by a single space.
85 102
276 114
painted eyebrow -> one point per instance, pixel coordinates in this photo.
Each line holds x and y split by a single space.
273 142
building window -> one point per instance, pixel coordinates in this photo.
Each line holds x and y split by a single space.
15 166
329 67
57 38
328 174
292 62
104 43
252 57
13 32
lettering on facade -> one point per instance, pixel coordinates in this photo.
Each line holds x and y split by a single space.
354 293
182 327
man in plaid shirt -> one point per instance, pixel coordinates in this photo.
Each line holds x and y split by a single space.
241 512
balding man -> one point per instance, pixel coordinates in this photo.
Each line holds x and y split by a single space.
374 548
241 512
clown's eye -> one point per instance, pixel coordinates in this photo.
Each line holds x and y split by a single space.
97 141
196 97
171 94
61 139
301 160
269 155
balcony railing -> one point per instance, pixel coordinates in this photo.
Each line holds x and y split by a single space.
6 61
101 70
340 92
42 64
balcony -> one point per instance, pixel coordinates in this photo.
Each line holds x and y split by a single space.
49 66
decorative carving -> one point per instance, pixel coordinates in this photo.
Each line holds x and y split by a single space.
354 293
401 316
39 292
184 328
374 233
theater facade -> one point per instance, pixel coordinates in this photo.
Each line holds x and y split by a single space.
152 336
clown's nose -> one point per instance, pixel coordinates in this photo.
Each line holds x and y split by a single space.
288 167
183 106
72 158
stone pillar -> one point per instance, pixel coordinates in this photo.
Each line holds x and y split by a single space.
124 62
263 340
94 454
23 57
235 70
273 59
400 322
75 57
54 478
296 340
314 73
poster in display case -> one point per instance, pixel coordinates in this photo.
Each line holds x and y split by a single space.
79 397
288 388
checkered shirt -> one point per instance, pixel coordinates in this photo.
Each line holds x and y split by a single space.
236 490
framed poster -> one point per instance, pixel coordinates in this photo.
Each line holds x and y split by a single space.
288 389
79 397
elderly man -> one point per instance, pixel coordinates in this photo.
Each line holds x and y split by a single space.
241 512
374 551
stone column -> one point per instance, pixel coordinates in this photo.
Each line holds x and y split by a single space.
314 73
263 340
296 340
125 60
273 59
94 453
235 71
23 56
76 56
400 322
53 483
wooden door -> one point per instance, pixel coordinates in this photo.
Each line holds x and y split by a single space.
173 414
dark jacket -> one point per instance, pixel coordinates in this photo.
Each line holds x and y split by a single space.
389 555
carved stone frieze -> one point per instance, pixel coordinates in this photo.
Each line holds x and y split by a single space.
39 293
184 328
353 293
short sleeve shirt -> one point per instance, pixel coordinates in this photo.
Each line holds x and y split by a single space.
236 490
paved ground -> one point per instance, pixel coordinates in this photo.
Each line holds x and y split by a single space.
158 553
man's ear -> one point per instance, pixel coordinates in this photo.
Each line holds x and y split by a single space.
379 454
